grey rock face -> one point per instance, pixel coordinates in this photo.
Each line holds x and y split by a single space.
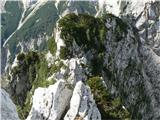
150 49
8 109
134 61
122 67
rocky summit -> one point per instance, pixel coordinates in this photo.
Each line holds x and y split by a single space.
80 60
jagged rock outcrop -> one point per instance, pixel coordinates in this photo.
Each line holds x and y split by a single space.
8 109
82 104
50 103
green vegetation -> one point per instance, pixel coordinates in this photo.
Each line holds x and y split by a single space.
32 58
28 65
21 56
110 107
52 46
29 60
64 53
35 67
35 82
41 23
23 111
121 25
82 28
87 31
97 64
56 67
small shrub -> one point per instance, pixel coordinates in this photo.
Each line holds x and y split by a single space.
32 57
64 53
52 46
55 68
21 56
97 64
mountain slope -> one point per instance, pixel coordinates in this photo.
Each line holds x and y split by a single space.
105 67
71 66
10 18
36 24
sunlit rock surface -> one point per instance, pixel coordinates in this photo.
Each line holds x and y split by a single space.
82 105
50 103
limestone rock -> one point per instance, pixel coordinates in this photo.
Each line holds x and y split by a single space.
82 105
50 103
